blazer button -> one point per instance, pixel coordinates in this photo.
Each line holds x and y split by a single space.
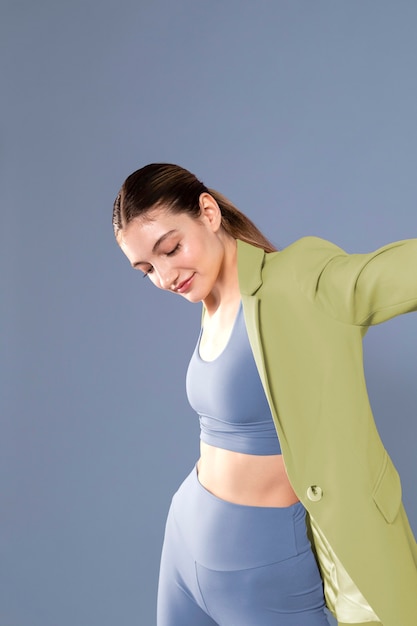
314 493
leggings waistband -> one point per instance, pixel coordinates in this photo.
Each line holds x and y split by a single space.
223 535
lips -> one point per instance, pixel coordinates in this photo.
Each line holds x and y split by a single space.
185 285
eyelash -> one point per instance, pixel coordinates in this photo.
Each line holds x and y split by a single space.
171 253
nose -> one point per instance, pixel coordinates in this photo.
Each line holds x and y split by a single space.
167 278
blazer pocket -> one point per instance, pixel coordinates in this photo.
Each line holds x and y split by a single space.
387 492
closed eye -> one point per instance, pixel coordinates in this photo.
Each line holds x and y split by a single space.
147 272
170 253
174 250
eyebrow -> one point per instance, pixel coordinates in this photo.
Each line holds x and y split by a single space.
156 246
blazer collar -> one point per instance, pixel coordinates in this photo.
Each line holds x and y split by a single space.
250 260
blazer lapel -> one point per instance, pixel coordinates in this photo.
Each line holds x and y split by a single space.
250 263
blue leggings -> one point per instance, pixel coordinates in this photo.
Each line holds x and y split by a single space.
226 564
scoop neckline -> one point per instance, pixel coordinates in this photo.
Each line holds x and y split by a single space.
227 342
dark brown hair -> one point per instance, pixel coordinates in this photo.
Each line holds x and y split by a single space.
178 190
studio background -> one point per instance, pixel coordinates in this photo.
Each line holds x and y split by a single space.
302 112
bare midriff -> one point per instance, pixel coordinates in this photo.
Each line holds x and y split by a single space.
247 479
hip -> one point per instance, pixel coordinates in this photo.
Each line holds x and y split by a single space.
225 535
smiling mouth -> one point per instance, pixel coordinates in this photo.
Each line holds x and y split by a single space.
184 286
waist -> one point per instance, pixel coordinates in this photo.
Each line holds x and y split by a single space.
248 479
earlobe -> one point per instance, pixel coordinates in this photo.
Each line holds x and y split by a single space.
210 210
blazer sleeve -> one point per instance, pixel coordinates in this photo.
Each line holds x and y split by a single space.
361 289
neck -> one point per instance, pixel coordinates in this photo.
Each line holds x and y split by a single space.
226 291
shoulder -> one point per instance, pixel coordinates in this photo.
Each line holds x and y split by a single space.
306 247
304 258
309 247
301 261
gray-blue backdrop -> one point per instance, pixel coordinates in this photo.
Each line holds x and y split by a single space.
304 114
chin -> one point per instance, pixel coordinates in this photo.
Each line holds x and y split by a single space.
194 298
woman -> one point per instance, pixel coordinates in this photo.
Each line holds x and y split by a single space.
287 433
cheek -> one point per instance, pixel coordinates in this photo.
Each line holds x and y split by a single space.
191 256
201 254
209 249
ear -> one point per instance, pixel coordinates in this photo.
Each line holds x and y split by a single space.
210 211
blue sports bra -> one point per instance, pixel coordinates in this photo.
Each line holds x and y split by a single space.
228 396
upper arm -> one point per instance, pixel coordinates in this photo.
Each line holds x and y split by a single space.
361 289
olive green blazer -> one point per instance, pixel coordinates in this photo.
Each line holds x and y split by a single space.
307 309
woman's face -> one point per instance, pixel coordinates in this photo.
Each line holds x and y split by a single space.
177 252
